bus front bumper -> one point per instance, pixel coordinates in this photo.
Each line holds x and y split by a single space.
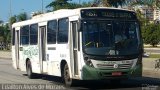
90 73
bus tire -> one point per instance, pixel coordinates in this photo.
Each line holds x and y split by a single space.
29 70
66 76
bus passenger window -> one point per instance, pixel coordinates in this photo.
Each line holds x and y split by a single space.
33 34
24 35
51 32
63 30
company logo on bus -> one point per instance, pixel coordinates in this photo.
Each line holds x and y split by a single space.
115 66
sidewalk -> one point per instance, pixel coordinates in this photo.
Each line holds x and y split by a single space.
149 69
5 55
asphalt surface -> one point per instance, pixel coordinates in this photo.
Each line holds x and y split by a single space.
8 75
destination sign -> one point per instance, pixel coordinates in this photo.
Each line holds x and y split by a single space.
107 13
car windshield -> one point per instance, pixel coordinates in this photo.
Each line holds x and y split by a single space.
110 37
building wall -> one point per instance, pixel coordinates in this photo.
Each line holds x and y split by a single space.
150 13
156 14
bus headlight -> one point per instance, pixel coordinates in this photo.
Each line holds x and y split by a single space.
88 62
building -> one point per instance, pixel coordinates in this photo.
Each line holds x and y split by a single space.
156 14
151 14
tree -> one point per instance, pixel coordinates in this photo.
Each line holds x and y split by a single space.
1 33
18 18
149 3
22 17
59 4
37 13
12 19
5 35
143 21
1 21
64 4
151 34
109 3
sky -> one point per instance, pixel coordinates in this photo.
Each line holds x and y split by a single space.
19 6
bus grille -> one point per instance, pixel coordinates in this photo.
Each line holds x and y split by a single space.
111 66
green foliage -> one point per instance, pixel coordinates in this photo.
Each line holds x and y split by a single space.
59 4
150 31
64 4
12 19
1 21
37 13
18 18
141 18
22 17
114 3
151 34
154 56
1 33
110 3
149 3
5 35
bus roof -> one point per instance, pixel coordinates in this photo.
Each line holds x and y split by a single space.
105 8
59 14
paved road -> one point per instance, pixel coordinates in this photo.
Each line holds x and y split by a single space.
8 75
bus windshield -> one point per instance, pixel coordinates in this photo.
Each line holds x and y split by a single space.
110 37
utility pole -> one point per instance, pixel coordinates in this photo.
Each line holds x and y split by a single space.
42 6
10 25
10 14
10 8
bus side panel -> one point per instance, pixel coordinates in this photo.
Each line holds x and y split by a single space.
54 64
52 58
13 57
32 53
21 60
64 54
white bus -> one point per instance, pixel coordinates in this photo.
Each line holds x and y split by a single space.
86 44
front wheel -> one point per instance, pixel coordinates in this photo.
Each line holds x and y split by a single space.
29 70
66 76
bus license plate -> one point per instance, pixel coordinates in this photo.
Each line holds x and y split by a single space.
116 73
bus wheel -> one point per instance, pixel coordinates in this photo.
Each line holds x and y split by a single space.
66 76
29 70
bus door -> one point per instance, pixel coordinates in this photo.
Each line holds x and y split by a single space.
17 48
42 49
74 48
